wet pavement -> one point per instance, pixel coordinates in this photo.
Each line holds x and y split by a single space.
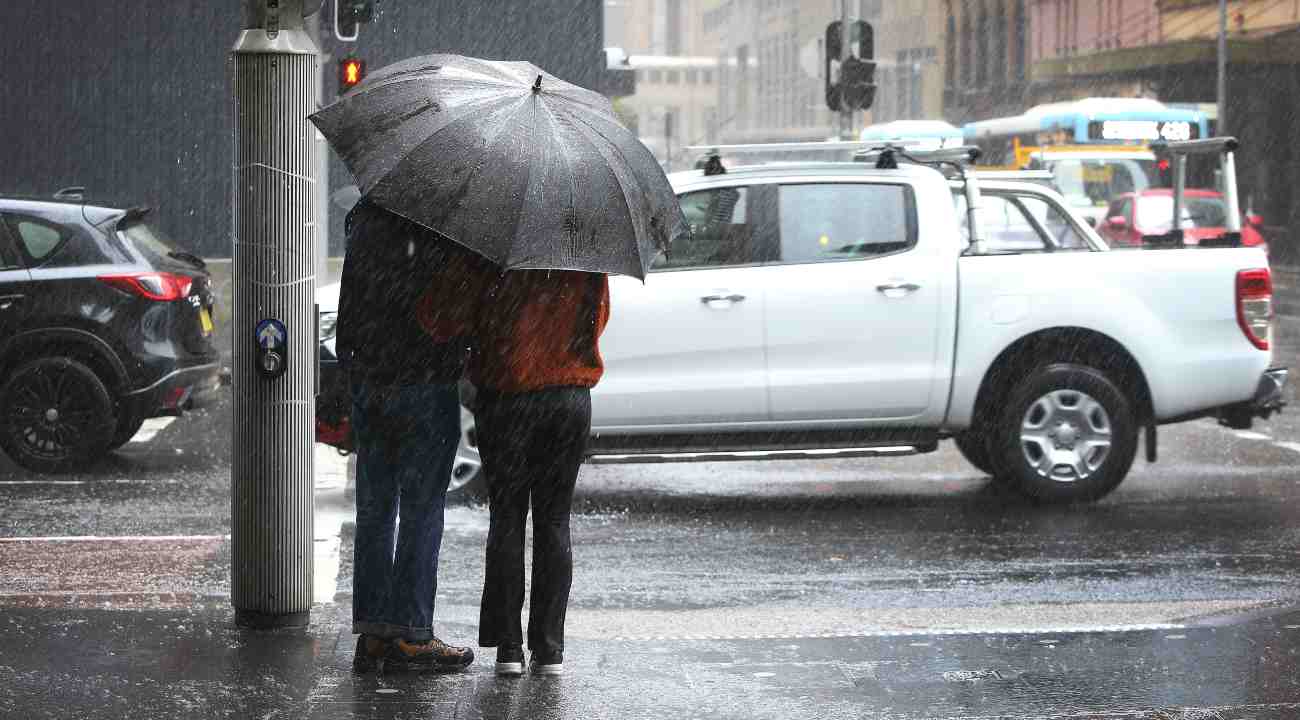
898 588
195 663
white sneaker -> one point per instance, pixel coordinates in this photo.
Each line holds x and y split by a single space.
510 661
555 668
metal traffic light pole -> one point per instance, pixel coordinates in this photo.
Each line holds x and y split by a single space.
275 193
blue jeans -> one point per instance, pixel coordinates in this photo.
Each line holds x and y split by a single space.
406 439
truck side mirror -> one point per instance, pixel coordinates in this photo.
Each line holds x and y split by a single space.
1117 222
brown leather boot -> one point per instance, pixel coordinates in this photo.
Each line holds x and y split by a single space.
431 655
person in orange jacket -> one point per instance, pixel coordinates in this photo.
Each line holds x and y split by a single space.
535 358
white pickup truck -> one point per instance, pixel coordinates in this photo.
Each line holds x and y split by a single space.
836 309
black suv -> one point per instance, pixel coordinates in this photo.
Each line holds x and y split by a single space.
103 324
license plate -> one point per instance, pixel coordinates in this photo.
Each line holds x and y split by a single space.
206 319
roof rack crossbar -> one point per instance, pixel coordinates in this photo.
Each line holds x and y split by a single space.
1205 146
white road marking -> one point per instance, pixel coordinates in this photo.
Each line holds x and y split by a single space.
43 482
1292 446
152 427
116 538
1250 435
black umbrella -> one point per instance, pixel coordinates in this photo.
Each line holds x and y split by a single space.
506 159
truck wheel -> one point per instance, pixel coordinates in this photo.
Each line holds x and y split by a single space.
467 483
975 448
1067 434
57 415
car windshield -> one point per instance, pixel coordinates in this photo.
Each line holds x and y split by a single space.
1156 213
1093 183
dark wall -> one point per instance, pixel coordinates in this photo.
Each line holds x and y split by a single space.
131 98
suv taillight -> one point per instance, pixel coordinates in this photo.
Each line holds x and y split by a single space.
151 286
1255 305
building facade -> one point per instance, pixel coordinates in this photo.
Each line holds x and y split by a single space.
986 68
676 79
911 56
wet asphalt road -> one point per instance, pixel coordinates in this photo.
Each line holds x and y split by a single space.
835 558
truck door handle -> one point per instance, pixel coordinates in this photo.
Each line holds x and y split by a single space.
706 299
8 301
897 289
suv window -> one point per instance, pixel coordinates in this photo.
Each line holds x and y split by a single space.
845 221
39 239
722 231
49 243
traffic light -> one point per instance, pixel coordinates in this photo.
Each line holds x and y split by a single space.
855 89
351 72
349 15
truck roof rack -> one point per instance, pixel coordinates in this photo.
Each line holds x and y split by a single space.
1225 147
74 192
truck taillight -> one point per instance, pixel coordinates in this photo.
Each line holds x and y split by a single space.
151 286
1255 305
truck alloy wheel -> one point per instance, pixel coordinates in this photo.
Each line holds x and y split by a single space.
467 468
56 415
1068 434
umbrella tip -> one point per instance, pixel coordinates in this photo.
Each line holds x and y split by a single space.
537 86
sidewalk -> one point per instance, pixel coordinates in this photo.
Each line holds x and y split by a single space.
194 663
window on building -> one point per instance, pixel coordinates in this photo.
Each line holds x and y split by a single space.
692 77
672 77
654 76
998 56
967 50
676 29
706 76
982 58
950 55
1019 41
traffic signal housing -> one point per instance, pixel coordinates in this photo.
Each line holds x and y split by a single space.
855 88
351 72
349 15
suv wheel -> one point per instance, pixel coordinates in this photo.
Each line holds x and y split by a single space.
1066 435
974 447
128 424
56 415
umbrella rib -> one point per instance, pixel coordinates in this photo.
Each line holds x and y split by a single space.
622 190
532 149
563 156
597 141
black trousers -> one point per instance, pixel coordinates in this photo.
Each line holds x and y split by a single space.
532 445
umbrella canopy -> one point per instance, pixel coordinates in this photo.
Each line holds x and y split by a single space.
509 161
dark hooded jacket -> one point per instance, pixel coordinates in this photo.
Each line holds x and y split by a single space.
393 270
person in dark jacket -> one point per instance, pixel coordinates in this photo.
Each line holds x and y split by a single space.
403 336
535 358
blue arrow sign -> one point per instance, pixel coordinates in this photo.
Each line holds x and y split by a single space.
270 334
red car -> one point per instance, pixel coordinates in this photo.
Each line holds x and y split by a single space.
1151 212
